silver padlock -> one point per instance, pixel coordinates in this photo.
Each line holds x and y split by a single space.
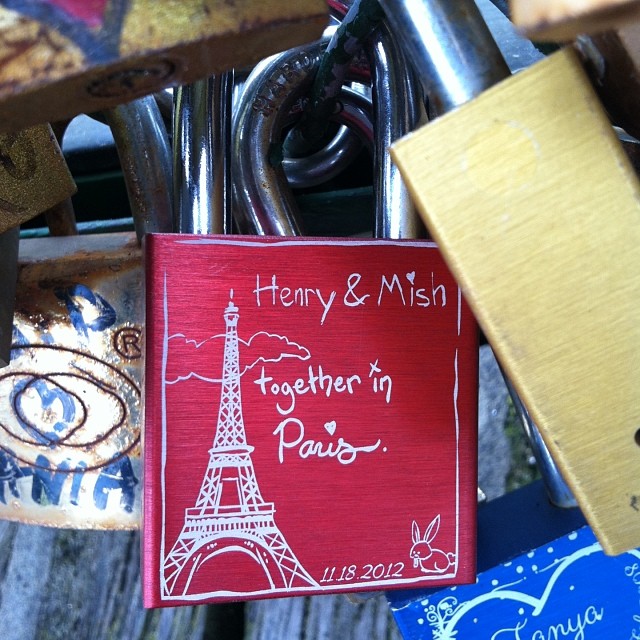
201 165
145 156
263 198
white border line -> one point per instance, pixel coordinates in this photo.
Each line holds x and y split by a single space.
352 586
457 422
298 591
267 242
163 459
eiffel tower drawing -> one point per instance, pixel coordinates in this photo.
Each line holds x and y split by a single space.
230 514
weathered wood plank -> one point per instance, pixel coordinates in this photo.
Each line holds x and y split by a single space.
321 618
61 584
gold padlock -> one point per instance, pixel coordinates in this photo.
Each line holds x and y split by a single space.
527 190
33 175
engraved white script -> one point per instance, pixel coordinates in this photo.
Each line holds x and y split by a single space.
291 434
572 629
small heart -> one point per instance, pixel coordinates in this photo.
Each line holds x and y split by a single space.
411 276
330 427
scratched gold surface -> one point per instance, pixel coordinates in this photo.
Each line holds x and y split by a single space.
33 175
536 209
70 401
31 51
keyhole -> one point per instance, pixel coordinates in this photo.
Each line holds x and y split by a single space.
637 437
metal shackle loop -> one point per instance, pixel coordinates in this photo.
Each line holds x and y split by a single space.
263 198
558 491
450 46
397 108
328 162
145 156
201 167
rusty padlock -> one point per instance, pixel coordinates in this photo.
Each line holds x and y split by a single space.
62 58
71 410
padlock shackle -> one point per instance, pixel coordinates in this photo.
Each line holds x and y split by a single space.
397 108
325 164
557 489
361 19
263 202
356 133
201 167
145 157
450 46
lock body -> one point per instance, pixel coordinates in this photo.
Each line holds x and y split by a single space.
66 58
33 175
69 447
549 580
72 394
556 226
296 364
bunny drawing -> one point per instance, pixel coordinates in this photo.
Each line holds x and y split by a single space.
430 560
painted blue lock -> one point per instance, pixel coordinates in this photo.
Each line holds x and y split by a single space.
542 576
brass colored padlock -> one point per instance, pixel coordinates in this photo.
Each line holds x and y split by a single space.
527 189
33 175
34 178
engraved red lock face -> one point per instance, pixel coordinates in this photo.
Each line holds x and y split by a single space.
310 410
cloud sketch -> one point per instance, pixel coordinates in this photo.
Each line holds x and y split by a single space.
203 360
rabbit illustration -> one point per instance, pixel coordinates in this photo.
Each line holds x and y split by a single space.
430 560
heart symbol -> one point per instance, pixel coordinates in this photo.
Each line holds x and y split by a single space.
411 276
53 408
330 427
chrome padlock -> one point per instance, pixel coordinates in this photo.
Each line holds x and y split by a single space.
511 150
201 162
71 398
398 109
263 199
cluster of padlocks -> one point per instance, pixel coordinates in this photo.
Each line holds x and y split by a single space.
285 414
